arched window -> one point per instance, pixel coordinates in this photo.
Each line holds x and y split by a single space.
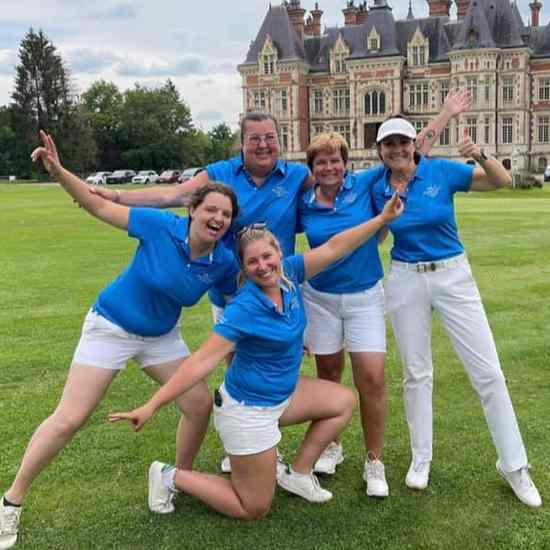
375 103
367 104
507 164
542 164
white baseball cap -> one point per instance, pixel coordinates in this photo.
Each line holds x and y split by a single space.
396 126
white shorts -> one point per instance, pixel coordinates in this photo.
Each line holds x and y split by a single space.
246 429
216 312
354 321
104 344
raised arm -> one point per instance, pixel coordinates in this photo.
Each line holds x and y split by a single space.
317 259
157 197
191 371
455 103
491 174
102 209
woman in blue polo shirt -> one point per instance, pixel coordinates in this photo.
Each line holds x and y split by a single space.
263 326
136 317
430 271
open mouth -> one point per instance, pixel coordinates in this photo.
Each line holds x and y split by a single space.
214 227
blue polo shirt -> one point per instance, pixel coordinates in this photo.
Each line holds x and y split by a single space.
275 202
269 344
426 231
147 297
353 205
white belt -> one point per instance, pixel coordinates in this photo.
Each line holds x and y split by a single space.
425 267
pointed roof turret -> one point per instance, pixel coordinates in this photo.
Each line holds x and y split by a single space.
410 15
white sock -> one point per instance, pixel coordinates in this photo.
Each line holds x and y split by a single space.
168 474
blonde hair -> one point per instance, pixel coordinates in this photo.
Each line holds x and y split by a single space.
331 142
251 234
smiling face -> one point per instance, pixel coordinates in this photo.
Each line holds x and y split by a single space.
211 218
397 152
261 261
260 146
328 169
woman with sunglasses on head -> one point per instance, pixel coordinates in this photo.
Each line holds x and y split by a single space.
430 272
263 326
135 317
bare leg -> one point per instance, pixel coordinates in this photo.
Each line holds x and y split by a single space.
329 406
368 376
247 495
84 389
196 405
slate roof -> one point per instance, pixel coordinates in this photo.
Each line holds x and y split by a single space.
487 24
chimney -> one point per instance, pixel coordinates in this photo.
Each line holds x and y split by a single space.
315 25
535 11
461 8
296 15
350 14
439 8
362 13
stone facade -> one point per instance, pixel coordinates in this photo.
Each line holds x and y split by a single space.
350 79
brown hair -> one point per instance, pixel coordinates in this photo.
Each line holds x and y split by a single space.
197 198
251 234
331 142
257 116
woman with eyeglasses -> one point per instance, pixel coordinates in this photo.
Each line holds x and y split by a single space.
263 326
135 317
430 272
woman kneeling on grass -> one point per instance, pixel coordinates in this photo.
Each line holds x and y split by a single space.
135 317
263 326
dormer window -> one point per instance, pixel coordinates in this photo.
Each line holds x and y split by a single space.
418 49
373 40
267 60
338 56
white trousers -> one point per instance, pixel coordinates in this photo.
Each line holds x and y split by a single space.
451 291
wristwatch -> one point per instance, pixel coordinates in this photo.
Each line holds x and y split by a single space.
482 155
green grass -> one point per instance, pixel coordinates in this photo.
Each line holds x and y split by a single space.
55 259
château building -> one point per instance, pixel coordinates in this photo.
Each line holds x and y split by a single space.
350 78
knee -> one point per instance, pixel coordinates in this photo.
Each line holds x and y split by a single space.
371 381
256 510
66 425
348 402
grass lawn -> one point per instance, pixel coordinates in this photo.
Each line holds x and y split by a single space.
55 259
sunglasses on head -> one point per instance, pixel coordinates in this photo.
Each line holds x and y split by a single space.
251 227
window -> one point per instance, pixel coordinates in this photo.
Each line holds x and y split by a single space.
375 103
259 100
318 129
343 130
471 125
486 129
507 131
544 89
507 90
269 64
487 90
373 44
543 129
284 138
418 95
339 63
318 101
341 101
443 90
445 136
280 102
471 86
418 55
419 125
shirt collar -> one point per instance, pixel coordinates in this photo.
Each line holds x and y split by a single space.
280 167
347 185
181 233
419 174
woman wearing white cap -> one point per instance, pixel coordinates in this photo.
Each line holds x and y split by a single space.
430 271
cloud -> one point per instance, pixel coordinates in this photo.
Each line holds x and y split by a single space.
209 116
123 10
91 61
8 61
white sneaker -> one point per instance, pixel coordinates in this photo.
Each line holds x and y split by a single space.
375 476
304 485
329 459
160 497
225 465
522 485
418 475
9 524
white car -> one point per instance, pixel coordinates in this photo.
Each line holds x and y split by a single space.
547 173
99 178
145 176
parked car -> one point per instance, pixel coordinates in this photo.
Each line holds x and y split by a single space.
189 173
547 173
121 176
145 176
169 176
99 178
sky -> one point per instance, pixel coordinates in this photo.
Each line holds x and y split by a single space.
198 44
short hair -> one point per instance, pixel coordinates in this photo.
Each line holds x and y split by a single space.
198 196
330 142
257 116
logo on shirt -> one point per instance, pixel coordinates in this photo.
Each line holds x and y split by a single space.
280 190
348 199
221 320
294 304
432 191
205 278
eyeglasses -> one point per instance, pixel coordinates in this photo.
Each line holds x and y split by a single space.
256 139
252 227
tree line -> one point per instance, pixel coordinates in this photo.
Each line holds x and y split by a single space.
102 129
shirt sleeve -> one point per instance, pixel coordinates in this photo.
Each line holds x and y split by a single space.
294 268
147 223
230 322
458 175
228 284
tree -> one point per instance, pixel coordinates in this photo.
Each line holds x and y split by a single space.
222 143
7 142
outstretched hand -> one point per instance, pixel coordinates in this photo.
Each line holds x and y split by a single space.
467 148
457 102
107 194
393 208
137 418
47 154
